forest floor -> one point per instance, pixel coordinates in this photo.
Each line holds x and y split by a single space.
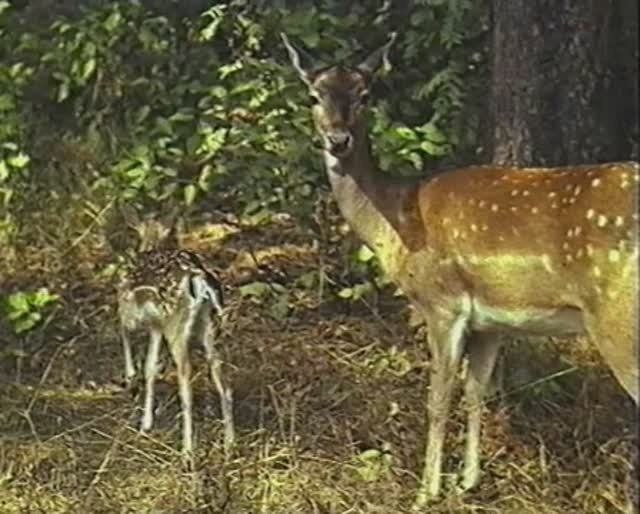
329 400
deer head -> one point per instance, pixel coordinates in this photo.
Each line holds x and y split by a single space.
340 96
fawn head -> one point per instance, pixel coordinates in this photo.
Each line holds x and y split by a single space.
153 232
339 94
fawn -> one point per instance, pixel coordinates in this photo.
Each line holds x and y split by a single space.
170 293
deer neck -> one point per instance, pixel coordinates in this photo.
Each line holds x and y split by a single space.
382 211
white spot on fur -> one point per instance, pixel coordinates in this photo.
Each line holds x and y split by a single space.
596 271
614 255
602 220
590 214
619 221
596 182
495 207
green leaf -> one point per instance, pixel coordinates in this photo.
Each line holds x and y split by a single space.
164 126
193 143
255 289
7 103
365 254
4 171
181 116
43 297
10 145
433 133
432 149
88 68
142 113
280 309
406 133
371 454
18 302
63 92
18 161
112 22
189 194
346 293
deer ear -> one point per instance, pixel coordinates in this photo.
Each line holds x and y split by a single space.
297 56
378 57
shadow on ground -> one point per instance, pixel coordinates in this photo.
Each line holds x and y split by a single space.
329 406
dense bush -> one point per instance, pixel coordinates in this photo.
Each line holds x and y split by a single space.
126 100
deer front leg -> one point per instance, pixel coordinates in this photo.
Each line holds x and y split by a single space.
225 392
129 368
150 372
482 350
445 334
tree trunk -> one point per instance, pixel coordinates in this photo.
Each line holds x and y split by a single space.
565 81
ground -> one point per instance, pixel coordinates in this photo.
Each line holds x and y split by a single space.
329 399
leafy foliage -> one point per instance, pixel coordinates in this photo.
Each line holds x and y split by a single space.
24 310
160 106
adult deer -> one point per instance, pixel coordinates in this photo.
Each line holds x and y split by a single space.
484 250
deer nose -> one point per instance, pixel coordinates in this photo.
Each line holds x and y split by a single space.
339 142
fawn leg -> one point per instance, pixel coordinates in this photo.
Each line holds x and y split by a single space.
150 372
129 368
179 346
225 392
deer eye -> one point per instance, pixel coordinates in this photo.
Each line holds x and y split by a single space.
364 98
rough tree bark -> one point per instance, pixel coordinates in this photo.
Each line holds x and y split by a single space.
565 81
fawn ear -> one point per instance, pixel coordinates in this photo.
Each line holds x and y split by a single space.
173 221
129 214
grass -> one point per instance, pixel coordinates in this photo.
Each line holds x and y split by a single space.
329 405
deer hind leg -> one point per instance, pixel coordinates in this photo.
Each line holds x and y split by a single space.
150 372
613 329
445 334
225 392
178 337
482 350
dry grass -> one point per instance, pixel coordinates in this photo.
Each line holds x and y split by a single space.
329 406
